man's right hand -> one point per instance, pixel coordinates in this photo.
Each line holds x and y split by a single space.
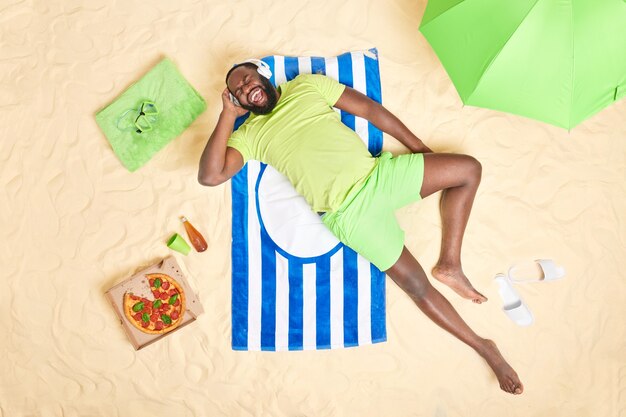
229 107
219 162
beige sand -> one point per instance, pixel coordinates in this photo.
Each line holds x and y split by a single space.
74 222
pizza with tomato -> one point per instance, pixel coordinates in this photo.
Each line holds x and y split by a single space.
160 315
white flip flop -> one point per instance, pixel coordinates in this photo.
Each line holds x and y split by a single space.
548 268
513 305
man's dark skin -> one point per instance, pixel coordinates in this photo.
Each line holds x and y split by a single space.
457 176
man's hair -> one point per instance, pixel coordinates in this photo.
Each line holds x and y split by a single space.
243 64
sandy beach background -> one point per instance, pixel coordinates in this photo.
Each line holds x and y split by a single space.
74 222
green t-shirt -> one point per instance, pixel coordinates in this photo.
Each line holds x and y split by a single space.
303 138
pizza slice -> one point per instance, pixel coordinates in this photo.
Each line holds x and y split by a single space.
160 315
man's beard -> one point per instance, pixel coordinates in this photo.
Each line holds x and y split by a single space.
272 99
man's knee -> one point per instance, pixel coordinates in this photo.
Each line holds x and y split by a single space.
412 283
408 274
474 169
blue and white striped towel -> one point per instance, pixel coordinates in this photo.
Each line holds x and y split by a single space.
294 285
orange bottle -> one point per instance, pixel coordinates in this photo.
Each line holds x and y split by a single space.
195 237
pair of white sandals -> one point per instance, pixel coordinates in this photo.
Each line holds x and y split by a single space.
514 307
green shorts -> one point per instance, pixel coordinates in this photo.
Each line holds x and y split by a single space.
366 222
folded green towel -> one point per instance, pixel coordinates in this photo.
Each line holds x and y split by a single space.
149 114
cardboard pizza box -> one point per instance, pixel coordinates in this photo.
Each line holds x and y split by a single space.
138 284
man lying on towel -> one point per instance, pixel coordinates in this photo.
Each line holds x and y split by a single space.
295 130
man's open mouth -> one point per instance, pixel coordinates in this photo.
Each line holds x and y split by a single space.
256 96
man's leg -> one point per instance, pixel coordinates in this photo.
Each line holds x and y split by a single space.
410 276
458 176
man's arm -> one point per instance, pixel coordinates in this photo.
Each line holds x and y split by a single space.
219 162
360 105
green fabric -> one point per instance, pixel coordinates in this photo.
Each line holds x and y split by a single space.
555 61
366 221
175 106
303 138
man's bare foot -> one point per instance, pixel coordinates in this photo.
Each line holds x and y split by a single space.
507 377
456 279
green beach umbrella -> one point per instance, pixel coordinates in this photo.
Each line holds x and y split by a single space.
558 61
